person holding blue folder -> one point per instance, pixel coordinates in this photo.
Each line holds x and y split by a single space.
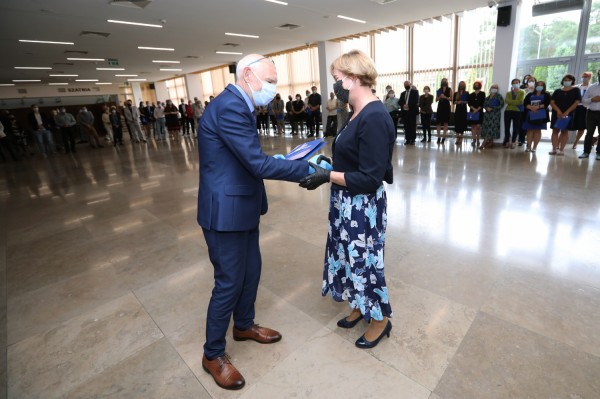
563 103
362 162
536 115
490 128
461 99
231 199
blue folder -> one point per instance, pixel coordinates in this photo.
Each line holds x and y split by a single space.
562 123
306 150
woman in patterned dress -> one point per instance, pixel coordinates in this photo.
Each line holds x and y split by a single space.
491 123
362 161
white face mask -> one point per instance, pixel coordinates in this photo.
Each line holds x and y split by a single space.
265 95
531 84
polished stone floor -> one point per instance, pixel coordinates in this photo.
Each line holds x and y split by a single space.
492 260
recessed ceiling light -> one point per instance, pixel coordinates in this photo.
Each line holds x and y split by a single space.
136 80
85 59
33 67
228 52
283 3
44 42
103 83
86 80
352 19
7 84
115 21
171 69
166 62
241 35
26 80
62 75
110 69
57 84
156 48
125 76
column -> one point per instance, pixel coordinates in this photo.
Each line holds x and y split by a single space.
136 90
506 53
328 52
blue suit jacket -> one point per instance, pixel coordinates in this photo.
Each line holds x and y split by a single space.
232 194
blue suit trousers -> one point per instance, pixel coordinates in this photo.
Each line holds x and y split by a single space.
237 266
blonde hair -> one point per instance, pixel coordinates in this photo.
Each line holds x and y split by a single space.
357 64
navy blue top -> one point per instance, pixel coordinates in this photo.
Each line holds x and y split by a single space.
363 149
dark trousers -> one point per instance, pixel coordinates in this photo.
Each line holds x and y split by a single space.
592 122
426 123
68 138
395 116
409 119
522 132
6 144
118 135
188 125
331 127
314 121
236 259
514 118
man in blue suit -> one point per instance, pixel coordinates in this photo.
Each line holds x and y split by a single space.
231 200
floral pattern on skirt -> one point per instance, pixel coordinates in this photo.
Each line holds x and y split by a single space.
354 253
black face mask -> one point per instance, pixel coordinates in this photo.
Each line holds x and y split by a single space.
476 88
407 87
342 94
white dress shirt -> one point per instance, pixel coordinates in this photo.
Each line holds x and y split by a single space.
592 91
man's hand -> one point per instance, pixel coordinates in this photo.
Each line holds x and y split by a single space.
314 180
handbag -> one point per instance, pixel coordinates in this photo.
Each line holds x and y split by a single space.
562 123
472 116
537 115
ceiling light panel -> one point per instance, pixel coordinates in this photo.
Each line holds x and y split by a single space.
85 59
228 52
166 62
33 67
63 75
116 21
26 80
283 3
110 69
156 48
171 69
352 19
241 35
126 76
86 80
45 42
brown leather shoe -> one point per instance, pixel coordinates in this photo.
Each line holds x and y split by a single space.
224 373
256 333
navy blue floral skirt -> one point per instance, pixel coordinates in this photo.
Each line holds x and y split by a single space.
354 253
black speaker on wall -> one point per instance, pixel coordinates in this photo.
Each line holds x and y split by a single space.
231 68
152 86
504 16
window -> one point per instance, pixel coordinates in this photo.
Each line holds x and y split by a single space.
548 36
592 44
433 43
297 71
362 43
391 60
125 93
176 89
476 57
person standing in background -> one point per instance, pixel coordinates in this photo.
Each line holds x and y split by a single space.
332 108
409 106
106 123
66 122
161 126
536 115
512 114
563 103
592 101
198 109
490 129
171 120
314 103
476 100
443 97
425 103
461 99
579 118
86 120
278 107
132 118
117 126
40 125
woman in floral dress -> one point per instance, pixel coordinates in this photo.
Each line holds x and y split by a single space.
490 129
362 154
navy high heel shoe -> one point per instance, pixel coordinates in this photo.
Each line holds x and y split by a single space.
362 342
343 323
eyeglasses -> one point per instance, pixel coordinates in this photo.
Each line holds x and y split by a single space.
260 59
